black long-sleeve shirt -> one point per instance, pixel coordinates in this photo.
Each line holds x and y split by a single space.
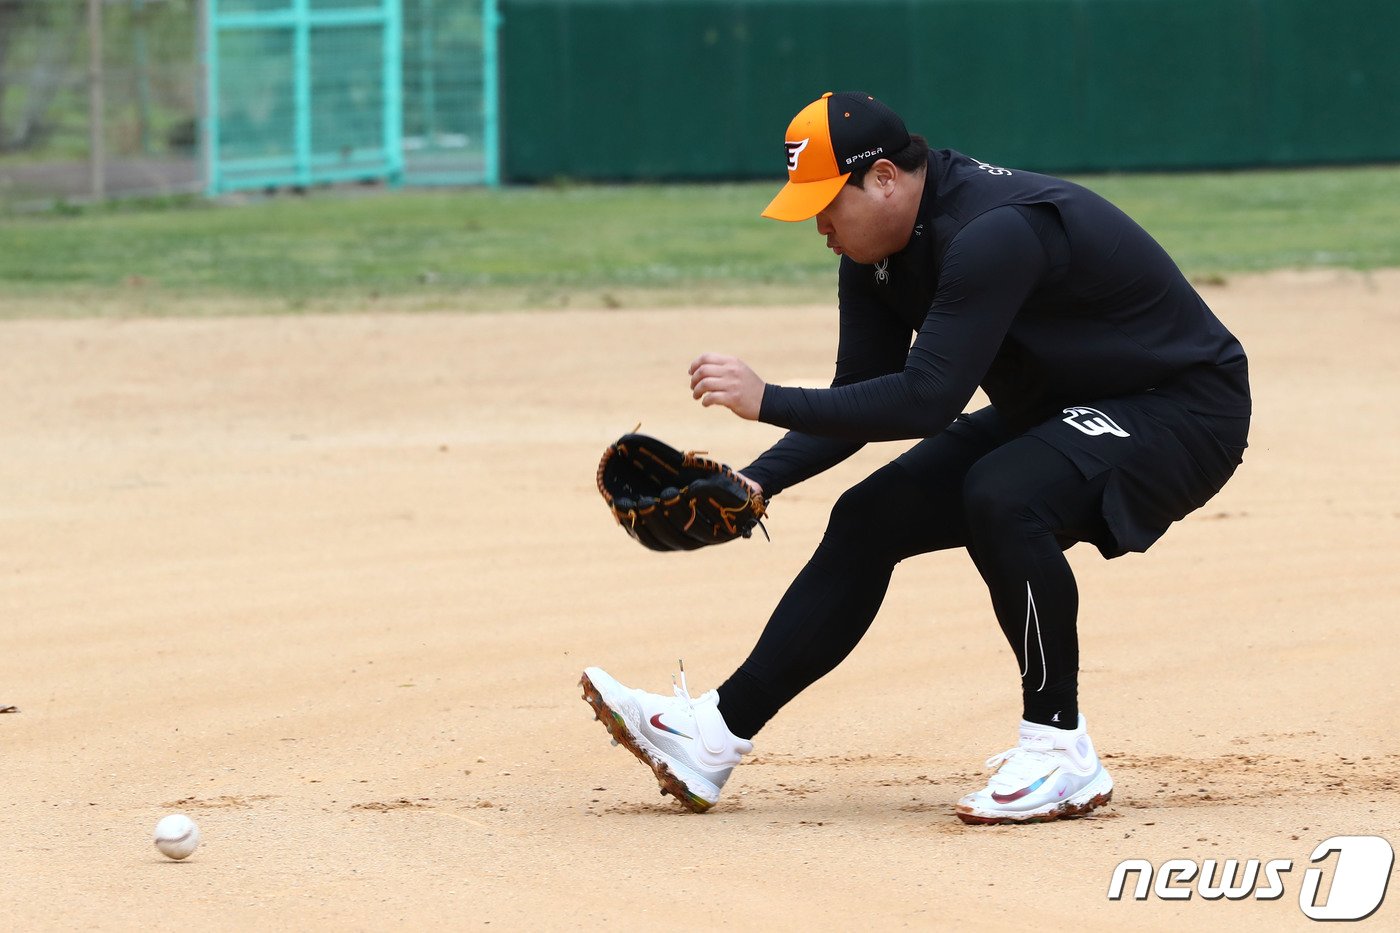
1034 288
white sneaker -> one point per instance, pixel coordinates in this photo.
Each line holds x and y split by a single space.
683 740
1052 773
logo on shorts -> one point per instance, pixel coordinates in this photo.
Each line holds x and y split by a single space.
793 151
1093 422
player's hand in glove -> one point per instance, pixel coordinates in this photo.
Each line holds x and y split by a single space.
674 501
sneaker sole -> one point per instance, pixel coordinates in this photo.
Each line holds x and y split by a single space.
1068 810
617 727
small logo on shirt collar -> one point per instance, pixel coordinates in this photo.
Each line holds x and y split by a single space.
882 271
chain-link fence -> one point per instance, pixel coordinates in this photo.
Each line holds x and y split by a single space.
303 92
449 65
145 137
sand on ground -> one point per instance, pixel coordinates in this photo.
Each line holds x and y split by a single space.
326 584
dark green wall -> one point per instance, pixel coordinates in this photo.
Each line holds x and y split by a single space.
653 89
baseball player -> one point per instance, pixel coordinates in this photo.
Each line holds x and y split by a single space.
1119 403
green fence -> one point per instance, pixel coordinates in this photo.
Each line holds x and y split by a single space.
703 88
302 92
305 92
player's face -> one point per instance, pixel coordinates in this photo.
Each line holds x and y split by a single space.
857 223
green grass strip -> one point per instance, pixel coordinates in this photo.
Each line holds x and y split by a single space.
607 245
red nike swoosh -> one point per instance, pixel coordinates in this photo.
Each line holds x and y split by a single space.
1017 795
656 721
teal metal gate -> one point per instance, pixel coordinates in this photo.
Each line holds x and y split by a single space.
307 92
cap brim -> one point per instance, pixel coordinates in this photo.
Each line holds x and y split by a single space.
804 200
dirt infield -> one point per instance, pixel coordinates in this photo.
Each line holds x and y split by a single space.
327 584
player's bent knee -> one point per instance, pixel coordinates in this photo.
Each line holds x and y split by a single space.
867 513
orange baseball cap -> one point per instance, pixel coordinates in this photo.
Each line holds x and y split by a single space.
828 138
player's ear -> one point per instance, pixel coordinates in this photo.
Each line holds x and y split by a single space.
883 173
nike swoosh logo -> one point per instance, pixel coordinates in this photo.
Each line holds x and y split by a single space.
656 721
1017 795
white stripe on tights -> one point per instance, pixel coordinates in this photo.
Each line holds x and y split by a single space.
1026 640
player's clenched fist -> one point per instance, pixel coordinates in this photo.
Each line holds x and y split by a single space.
716 379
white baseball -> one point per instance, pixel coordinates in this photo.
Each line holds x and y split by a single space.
177 836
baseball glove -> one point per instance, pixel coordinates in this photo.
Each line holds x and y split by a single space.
673 501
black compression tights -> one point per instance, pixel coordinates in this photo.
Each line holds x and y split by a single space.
1014 507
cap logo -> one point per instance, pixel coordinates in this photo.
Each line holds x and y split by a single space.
793 151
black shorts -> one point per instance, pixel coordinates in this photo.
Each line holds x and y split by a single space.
1155 460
